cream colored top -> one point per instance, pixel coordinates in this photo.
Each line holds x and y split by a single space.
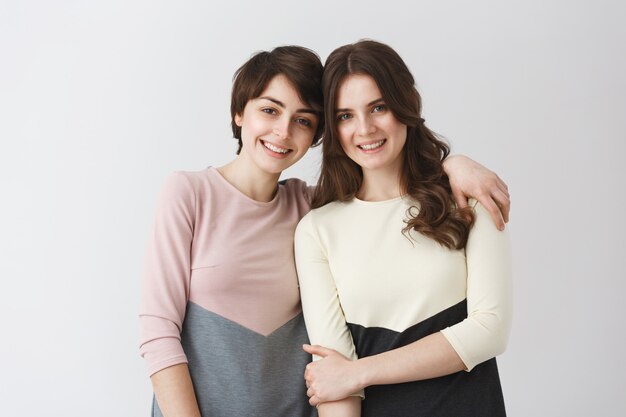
355 266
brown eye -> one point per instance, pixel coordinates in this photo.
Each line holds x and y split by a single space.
269 110
303 122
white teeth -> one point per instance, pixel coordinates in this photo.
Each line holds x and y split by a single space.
371 146
274 148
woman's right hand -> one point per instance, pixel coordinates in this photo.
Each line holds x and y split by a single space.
332 378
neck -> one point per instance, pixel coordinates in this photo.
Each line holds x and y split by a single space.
250 180
381 184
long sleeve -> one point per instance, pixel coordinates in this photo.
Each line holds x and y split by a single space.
166 277
368 288
484 333
323 315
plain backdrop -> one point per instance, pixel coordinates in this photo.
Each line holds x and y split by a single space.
100 101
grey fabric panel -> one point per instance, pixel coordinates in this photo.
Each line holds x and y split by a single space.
238 373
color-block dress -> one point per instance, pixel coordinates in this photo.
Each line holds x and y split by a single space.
220 293
366 288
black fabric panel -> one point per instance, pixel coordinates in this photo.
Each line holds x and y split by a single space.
473 394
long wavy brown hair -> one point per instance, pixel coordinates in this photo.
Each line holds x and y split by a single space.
435 214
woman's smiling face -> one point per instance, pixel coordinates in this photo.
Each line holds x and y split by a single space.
277 128
368 131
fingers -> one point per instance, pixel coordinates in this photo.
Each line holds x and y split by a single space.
501 184
494 210
313 399
497 200
459 198
503 198
503 201
317 350
308 380
308 377
308 371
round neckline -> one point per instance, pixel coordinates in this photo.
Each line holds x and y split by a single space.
391 200
243 195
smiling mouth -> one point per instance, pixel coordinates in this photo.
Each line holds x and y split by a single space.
275 148
372 146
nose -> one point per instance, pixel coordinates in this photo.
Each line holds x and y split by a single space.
281 129
366 126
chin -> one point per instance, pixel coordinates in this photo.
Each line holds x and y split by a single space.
371 165
274 168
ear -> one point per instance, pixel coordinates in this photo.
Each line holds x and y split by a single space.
238 118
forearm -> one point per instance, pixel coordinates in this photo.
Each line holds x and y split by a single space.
429 357
174 392
348 407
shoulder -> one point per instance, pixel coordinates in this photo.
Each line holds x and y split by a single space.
296 188
181 189
176 184
480 212
330 210
182 183
194 179
323 216
484 228
196 183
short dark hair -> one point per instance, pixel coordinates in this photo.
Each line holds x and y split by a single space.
301 66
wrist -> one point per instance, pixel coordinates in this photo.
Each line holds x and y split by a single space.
363 374
452 159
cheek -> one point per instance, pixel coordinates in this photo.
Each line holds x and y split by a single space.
304 140
344 135
251 129
397 129
255 124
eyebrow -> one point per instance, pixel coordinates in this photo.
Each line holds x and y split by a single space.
282 105
371 103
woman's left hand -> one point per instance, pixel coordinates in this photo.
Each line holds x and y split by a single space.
331 378
468 178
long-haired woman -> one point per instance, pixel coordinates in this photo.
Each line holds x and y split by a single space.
405 293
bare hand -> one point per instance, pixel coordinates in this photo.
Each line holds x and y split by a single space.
468 179
331 378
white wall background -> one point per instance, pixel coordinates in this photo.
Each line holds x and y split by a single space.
99 101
